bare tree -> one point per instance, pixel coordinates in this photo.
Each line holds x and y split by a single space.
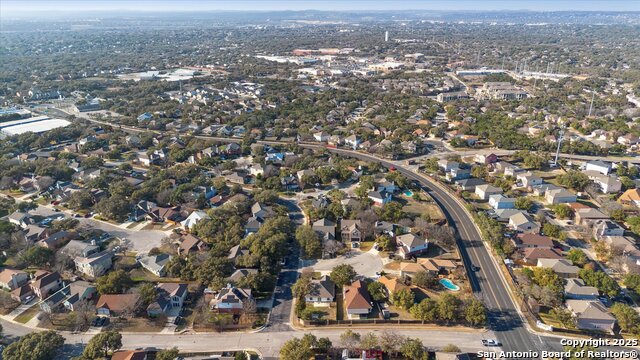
368 218
250 306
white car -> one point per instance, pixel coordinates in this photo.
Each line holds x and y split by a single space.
490 342
28 298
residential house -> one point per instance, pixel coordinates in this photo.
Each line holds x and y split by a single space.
608 184
57 239
523 223
129 355
240 274
530 256
458 174
169 299
357 302
559 196
592 316
34 233
630 197
503 215
576 289
532 241
469 184
410 245
12 279
437 266
322 292
563 267
352 141
79 291
602 228
500 201
325 228
45 283
589 216
231 299
447 165
486 159
193 219
379 198
350 230
392 285
20 219
79 248
253 225
94 265
155 263
190 244
117 304
484 191
529 180
321 136
602 167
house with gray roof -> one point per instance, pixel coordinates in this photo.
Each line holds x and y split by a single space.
322 292
576 289
592 316
155 263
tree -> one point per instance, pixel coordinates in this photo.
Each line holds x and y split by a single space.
369 341
547 278
35 346
563 211
403 298
114 208
632 281
343 274
413 349
424 280
448 307
377 291
627 317
147 293
309 242
324 344
386 243
524 203
115 282
574 179
426 310
552 230
563 316
239 355
349 339
480 172
302 286
577 256
390 342
605 284
295 349
168 354
451 348
37 256
102 344
475 312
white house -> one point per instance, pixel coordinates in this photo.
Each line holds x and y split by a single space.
447 165
608 183
500 201
411 244
559 196
193 219
321 136
486 190
379 197
528 179
352 141
524 223
599 166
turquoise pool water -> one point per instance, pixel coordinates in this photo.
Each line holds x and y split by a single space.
408 193
449 285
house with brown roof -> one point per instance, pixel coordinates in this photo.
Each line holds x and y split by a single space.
322 292
190 244
357 302
437 266
129 355
392 285
12 279
350 230
57 239
117 304
630 197
524 241
532 255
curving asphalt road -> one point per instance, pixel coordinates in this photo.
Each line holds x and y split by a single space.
487 283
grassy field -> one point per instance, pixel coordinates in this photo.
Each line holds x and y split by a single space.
28 315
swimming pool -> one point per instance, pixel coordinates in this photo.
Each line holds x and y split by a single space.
408 193
449 285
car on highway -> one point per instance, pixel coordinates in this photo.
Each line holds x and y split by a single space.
475 268
490 342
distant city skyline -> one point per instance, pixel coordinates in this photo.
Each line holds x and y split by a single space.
9 7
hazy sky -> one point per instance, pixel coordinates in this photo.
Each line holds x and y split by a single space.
25 6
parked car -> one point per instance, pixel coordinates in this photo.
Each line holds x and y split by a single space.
28 299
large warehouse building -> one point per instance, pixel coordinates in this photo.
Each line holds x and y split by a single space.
38 124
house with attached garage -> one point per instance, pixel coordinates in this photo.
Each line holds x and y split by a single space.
559 196
357 301
322 292
94 265
564 268
630 197
523 223
576 289
169 299
484 191
592 316
12 279
609 184
469 184
602 167
411 244
155 264
231 300
602 228
500 201
117 304
350 230
529 180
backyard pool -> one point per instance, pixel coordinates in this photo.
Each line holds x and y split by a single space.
408 193
449 285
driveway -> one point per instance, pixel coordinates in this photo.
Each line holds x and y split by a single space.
141 241
364 263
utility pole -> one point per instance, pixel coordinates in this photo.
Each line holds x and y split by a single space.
560 138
